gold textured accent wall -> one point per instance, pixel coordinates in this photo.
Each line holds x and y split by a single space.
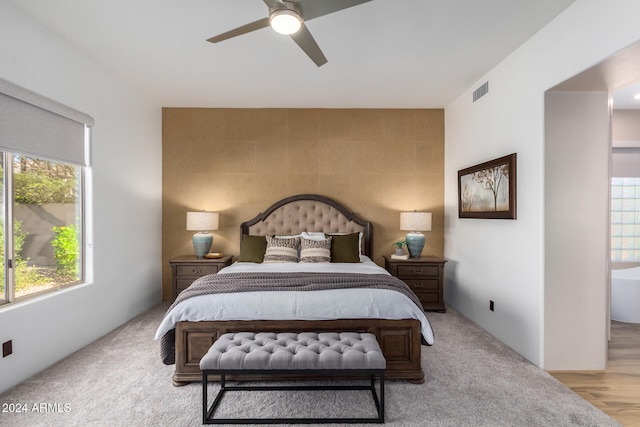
377 162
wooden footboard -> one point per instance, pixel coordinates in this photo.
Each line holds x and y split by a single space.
399 340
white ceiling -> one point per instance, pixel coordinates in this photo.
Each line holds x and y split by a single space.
625 97
382 54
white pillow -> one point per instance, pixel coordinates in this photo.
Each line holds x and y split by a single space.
313 235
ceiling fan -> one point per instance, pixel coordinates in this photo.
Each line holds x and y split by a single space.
288 17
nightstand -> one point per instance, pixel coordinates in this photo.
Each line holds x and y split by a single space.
424 275
187 268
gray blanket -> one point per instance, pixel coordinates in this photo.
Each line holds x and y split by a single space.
255 282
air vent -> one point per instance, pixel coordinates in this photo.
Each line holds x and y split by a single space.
481 91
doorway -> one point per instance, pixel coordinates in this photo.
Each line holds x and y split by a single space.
577 235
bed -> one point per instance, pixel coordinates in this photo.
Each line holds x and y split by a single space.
193 324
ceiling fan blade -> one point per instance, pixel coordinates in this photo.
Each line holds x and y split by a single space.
261 23
305 40
315 8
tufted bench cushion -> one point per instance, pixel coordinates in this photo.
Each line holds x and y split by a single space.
324 354
294 351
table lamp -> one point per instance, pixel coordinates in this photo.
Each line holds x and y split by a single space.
415 222
202 222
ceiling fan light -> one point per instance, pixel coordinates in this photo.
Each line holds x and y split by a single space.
285 21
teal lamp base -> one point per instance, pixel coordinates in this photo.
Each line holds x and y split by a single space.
202 243
415 244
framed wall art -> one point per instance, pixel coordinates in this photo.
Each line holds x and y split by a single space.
488 190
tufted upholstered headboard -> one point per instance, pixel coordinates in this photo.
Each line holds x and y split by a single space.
308 212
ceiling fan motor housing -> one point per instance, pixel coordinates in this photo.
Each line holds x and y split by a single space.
285 20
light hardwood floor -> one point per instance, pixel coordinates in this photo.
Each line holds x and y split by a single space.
616 391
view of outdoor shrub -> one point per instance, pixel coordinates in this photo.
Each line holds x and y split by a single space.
66 250
45 182
25 276
39 182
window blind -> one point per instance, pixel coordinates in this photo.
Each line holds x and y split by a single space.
38 126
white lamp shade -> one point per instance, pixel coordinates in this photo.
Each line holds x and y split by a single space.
202 221
415 221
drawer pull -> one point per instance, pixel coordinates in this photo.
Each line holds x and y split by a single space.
415 271
418 285
197 270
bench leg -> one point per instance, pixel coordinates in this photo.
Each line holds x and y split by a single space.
379 402
381 413
208 412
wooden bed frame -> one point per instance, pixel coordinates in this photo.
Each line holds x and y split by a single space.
400 340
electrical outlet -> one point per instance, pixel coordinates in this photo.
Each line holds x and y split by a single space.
7 348
491 305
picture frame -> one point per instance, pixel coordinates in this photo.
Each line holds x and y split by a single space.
488 190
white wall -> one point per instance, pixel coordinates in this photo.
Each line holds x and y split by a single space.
499 259
576 262
626 126
126 200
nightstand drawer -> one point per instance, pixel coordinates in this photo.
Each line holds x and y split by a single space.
418 285
187 268
424 275
196 270
418 270
428 297
182 284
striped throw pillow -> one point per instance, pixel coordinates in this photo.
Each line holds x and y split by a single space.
281 250
315 250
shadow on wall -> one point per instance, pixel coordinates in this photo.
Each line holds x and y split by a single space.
450 278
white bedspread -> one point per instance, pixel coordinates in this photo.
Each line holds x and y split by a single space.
290 305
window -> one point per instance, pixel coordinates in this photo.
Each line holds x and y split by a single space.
46 224
625 219
44 162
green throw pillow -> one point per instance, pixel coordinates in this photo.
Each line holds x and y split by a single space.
344 247
252 248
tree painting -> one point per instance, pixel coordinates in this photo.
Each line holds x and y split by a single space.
493 180
487 190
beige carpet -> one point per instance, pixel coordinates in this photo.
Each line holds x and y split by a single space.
471 380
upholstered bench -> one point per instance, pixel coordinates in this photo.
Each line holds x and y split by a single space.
308 354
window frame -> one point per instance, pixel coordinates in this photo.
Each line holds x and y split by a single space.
36 126
8 196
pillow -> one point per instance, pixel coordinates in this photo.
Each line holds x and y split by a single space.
359 240
345 247
281 250
313 235
252 248
312 250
